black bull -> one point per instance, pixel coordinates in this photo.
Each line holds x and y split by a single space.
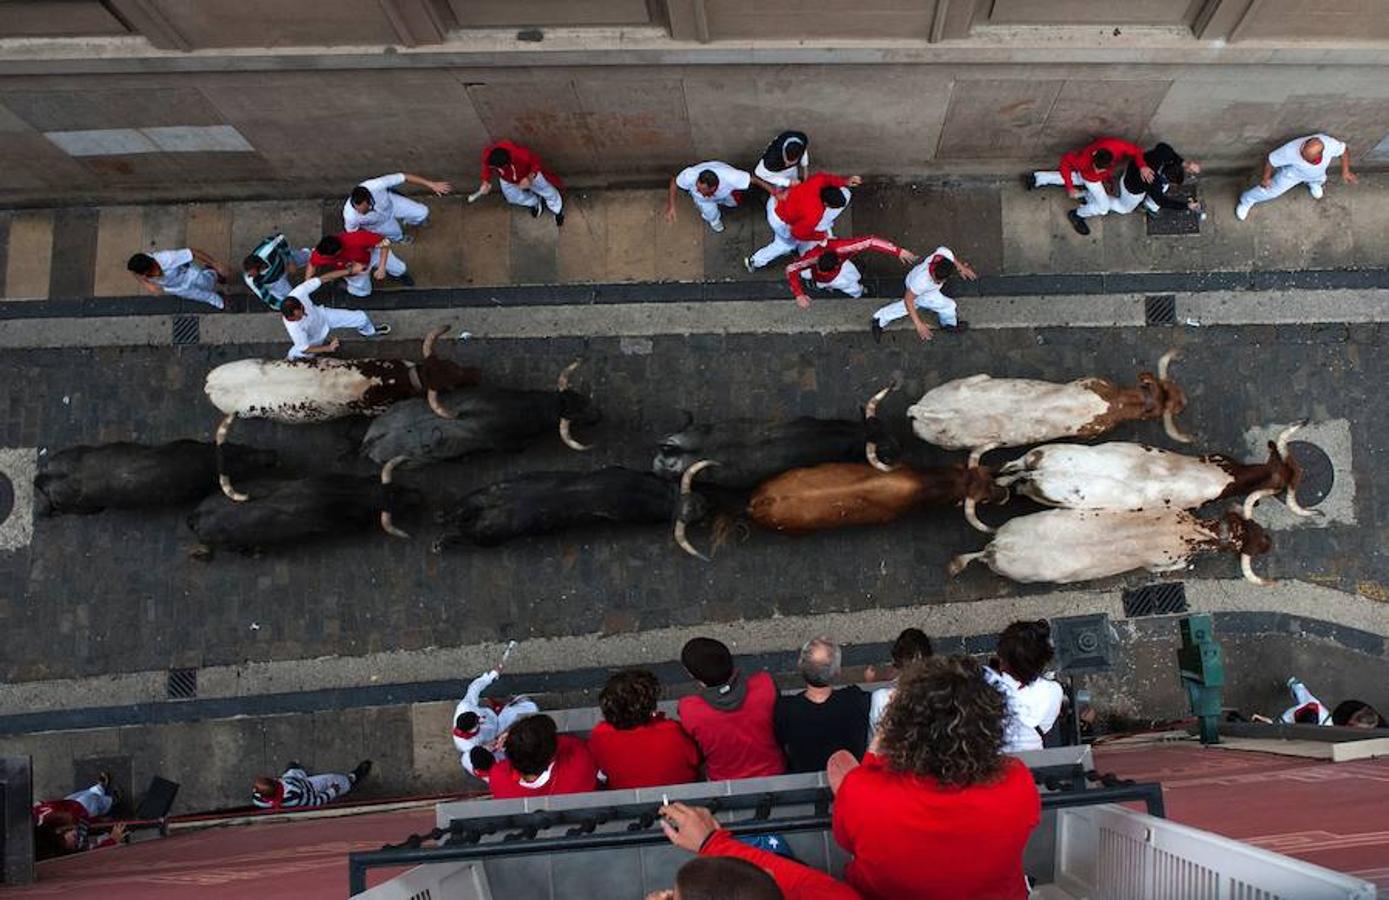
89 479
545 502
284 512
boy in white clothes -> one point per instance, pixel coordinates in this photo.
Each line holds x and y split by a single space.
1034 698
308 323
924 283
1309 710
911 646
477 723
373 206
187 272
1301 161
711 185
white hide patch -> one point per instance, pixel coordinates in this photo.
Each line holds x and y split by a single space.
1064 545
288 390
1338 508
1116 475
20 465
1010 412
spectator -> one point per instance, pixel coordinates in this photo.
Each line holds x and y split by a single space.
730 717
267 268
373 206
635 745
911 646
61 826
812 725
297 789
728 869
936 809
478 725
188 273
1357 714
540 762
1301 161
362 249
1034 700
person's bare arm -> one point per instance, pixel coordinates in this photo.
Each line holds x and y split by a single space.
1266 179
965 271
440 188
670 202
923 330
1347 175
148 285
774 189
385 248
330 347
206 259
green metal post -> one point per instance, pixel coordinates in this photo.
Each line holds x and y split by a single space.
1202 668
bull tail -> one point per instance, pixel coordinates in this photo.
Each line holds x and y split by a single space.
387 525
562 385
958 564
224 429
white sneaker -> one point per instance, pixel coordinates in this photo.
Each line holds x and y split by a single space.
716 227
1241 212
747 263
403 239
1315 190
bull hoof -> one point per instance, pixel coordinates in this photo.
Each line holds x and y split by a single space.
200 552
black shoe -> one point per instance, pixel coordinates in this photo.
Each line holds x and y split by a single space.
1029 182
1150 213
536 211
293 764
362 771
1078 223
877 330
406 279
961 325
559 220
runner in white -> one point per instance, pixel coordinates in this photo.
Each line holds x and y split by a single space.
1301 161
308 323
711 185
373 206
924 284
188 273
786 160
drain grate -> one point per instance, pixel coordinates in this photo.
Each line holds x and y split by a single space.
186 330
1318 475
1160 309
1174 222
183 684
1164 599
6 497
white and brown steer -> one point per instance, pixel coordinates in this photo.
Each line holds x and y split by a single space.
983 411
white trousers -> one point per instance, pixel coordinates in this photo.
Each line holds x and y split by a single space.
1284 179
349 318
1127 202
709 208
1303 697
934 300
540 189
333 783
360 285
94 800
202 288
1097 199
848 281
782 242
403 209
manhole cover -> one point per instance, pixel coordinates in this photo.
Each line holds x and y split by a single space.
1174 222
1318 475
6 497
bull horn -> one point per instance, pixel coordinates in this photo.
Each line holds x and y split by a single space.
686 481
1290 493
223 429
973 519
1169 424
387 471
1165 361
432 397
433 336
1246 566
1283 436
958 564
870 411
562 385
1253 500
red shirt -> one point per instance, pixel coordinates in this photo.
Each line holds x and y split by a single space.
797 881
843 249
801 206
356 248
524 163
736 743
59 813
657 753
912 838
572 772
1083 160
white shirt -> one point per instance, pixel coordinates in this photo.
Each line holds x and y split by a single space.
730 180
487 726
919 279
878 706
1032 709
381 211
179 270
312 330
1290 155
783 177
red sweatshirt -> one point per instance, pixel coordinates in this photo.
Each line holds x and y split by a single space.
797 881
657 753
801 206
844 249
356 248
1083 160
572 772
524 163
912 838
740 742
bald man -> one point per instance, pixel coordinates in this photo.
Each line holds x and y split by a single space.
1301 161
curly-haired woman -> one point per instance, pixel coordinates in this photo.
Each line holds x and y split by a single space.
635 745
936 810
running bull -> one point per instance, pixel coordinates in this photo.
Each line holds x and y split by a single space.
983 411
477 420
317 390
88 479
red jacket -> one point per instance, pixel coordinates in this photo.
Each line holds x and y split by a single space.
572 772
844 249
356 248
801 206
796 880
650 755
736 743
912 838
1083 160
524 163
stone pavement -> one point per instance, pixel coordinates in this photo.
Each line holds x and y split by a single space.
617 236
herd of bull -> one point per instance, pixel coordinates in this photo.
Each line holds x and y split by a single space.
1117 506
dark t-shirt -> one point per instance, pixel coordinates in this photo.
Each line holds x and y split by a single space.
809 733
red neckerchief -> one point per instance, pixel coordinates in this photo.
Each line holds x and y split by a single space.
460 733
277 800
1317 161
